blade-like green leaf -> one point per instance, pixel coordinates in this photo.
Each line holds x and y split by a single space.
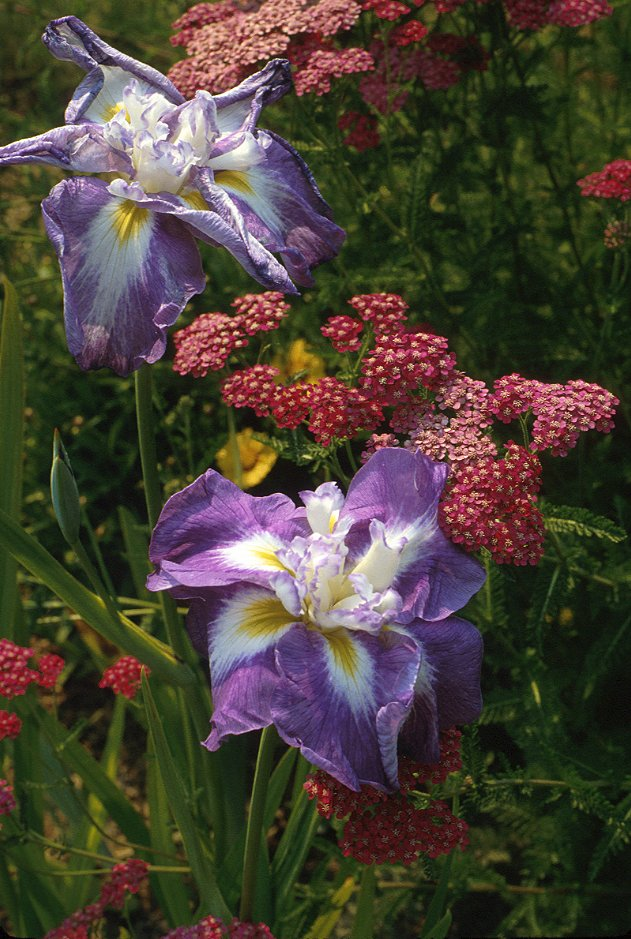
76 759
211 900
12 424
122 632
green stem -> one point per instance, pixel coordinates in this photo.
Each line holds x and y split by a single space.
255 822
233 445
153 495
364 918
95 579
147 443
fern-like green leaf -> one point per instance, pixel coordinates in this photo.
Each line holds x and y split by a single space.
568 519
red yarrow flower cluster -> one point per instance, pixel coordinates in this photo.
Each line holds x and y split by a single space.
209 341
360 130
10 725
7 799
392 828
613 181
491 504
124 676
125 877
15 674
536 14
213 928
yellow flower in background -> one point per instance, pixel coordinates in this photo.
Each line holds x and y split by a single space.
298 359
256 458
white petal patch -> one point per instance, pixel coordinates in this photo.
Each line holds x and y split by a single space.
109 100
116 251
247 625
257 553
351 670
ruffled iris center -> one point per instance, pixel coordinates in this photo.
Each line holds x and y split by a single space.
327 590
163 142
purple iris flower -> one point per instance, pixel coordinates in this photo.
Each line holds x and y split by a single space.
176 170
333 621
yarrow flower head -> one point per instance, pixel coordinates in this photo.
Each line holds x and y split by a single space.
10 725
125 877
333 622
383 828
7 799
15 674
211 927
124 676
613 181
181 170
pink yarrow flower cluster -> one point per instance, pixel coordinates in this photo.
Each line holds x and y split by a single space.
408 381
124 676
213 928
226 41
391 828
209 341
562 412
125 877
15 674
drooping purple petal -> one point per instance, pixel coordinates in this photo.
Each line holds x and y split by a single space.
212 533
240 627
454 648
240 107
127 273
342 700
108 71
281 204
72 147
401 489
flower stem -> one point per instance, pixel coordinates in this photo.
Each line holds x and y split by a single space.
255 821
364 918
153 495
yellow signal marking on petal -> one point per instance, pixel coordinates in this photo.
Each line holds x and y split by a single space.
233 179
196 201
344 651
264 617
128 219
111 111
269 558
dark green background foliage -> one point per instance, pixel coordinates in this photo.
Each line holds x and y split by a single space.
469 209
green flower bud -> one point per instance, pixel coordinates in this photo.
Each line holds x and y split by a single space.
64 493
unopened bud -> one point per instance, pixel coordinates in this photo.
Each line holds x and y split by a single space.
64 492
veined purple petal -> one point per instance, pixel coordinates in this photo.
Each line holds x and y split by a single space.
342 700
127 274
240 627
454 649
69 38
212 533
72 147
227 230
281 205
401 489
240 107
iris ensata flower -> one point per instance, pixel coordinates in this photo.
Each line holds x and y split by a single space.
176 170
333 621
